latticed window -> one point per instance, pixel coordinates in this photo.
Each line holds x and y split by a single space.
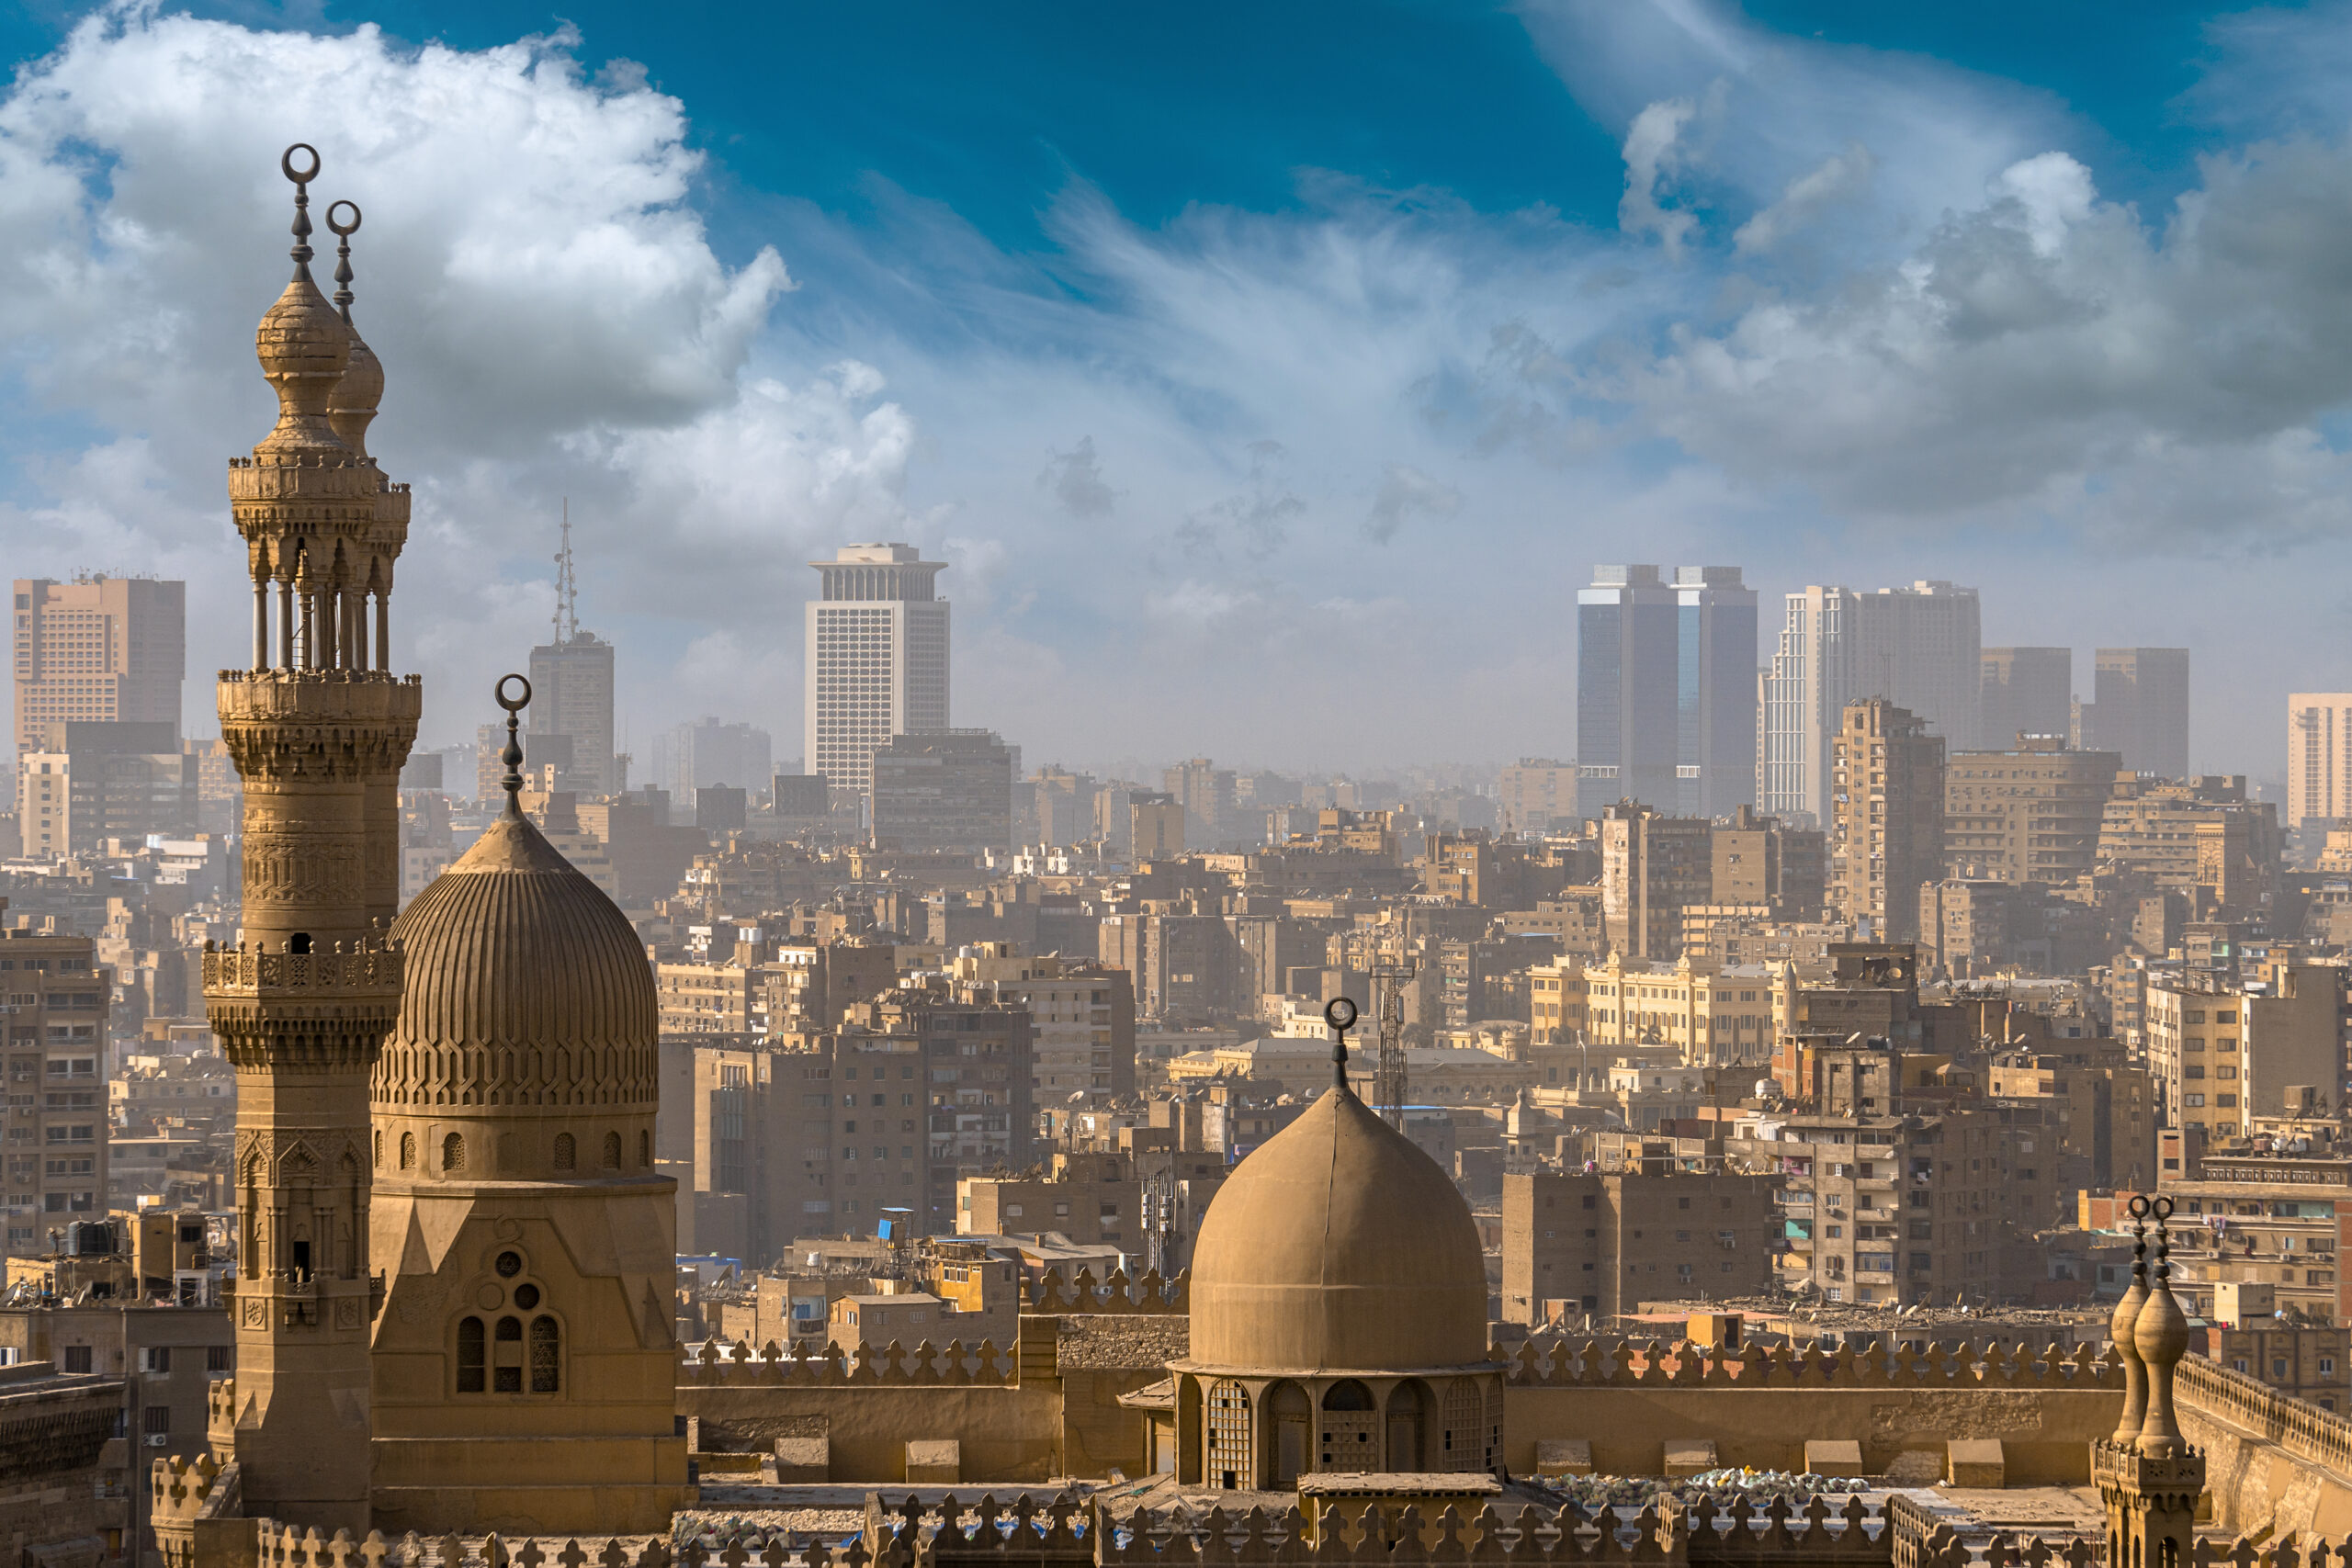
547 1353
472 1357
1227 1418
567 1152
453 1152
1466 1428
612 1151
408 1151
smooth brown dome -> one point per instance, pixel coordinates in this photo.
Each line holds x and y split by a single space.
1337 1244
526 986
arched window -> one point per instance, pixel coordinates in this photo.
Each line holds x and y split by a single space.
471 1356
612 1151
567 1152
1227 1424
453 1152
1345 1432
645 1151
546 1354
408 1151
376 1159
506 1375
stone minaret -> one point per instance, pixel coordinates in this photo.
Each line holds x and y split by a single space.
318 728
2150 1478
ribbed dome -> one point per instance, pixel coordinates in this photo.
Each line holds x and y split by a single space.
304 349
353 407
526 986
1339 1246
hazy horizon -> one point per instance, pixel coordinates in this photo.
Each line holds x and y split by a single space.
1270 383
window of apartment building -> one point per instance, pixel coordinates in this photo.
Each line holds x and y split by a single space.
76 1358
220 1357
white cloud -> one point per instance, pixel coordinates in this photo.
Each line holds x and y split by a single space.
1651 156
1405 493
1839 178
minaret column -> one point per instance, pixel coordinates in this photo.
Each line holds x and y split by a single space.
302 1003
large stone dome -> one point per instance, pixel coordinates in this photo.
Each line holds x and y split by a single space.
1338 1245
526 986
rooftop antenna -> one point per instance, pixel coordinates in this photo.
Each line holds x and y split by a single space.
567 585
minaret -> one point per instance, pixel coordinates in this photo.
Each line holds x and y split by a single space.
2150 1479
318 728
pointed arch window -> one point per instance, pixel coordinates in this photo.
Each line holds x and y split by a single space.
567 1152
453 1152
612 1151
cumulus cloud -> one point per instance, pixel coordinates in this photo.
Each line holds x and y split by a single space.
1652 155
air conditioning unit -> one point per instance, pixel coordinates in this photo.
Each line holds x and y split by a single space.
158 1440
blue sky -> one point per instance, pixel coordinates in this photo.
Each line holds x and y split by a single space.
1244 362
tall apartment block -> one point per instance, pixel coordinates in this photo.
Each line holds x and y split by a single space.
2139 707
1916 646
2025 691
2031 813
2319 757
1886 821
56 1142
572 690
98 649
1665 690
949 791
877 659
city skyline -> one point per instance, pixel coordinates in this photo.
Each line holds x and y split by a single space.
1137 487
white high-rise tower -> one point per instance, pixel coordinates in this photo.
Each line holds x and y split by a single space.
876 660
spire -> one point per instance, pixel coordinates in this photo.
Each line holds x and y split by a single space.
1340 1014
303 347
2161 1336
512 753
2119 1326
352 409
301 230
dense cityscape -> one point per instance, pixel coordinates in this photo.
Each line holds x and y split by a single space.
1847 1095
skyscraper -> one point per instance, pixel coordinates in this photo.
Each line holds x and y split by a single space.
102 649
1916 646
2139 707
2319 757
705 752
1627 722
877 659
1714 619
572 688
2025 691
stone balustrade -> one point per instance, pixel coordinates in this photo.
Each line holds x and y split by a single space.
1148 1292
1622 1362
360 966
955 1365
2322 1437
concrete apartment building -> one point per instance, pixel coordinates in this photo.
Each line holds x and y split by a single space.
876 660
1712 1016
2026 691
1883 1207
1081 1016
1535 792
1599 1243
103 649
1886 819
811 1135
943 792
2222 1052
2256 1218
2319 757
1652 865
2199 836
57 1000
2028 815
158 1360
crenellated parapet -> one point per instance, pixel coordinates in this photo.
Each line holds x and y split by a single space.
954 1364
1617 1362
1050 1297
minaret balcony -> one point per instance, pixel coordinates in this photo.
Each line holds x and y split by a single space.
362 969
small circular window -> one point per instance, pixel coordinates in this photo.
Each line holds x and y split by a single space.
526 1296
510 1264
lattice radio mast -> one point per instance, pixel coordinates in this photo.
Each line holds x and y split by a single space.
567 585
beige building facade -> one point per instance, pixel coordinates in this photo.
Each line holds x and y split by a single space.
2319 757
